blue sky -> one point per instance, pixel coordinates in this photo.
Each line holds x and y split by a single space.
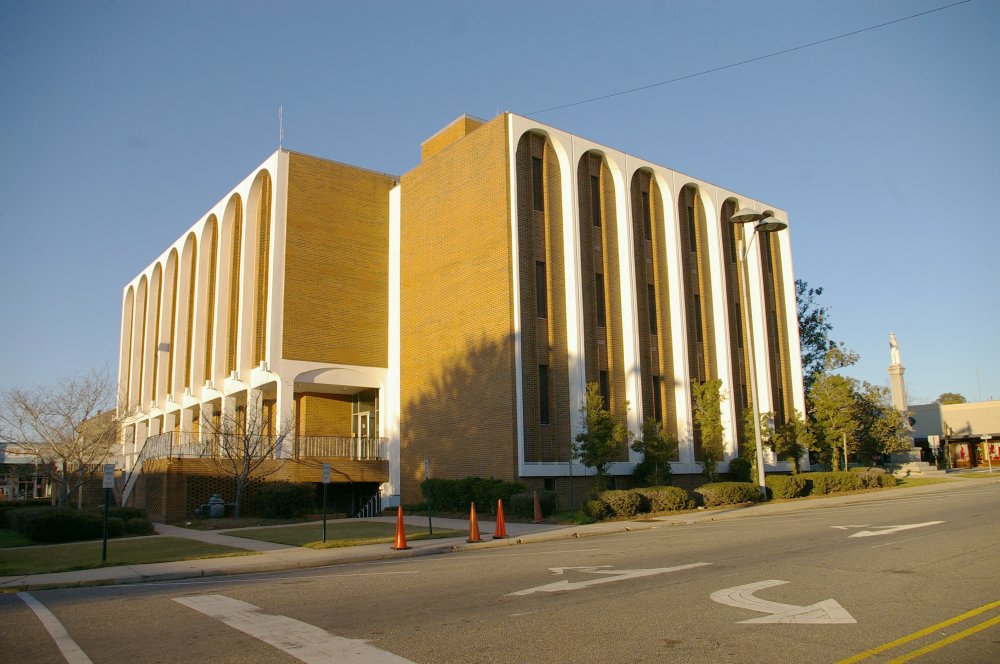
123 122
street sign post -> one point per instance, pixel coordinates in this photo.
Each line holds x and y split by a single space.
109 483
326 482
986 448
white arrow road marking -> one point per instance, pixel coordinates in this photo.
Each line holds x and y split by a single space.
67 646
885 530
609 576
863 525
301 640
826 612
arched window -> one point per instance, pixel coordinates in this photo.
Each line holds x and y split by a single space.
731 235
235 211
263 210
211 237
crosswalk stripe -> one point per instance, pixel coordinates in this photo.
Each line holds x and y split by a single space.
67 646
301 640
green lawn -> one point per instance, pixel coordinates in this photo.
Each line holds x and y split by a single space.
87 555
907 482
10 538
339 533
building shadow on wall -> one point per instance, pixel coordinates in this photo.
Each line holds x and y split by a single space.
458 413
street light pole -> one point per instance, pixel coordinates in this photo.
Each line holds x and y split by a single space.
763 224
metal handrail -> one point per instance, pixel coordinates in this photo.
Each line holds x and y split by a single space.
341 447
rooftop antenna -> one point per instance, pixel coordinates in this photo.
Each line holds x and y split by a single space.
281 128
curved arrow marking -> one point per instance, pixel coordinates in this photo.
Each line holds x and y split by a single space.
742 597
885 530
609 575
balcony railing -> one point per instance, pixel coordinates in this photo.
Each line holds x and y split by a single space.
177 445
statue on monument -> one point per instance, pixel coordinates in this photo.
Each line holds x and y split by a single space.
894 355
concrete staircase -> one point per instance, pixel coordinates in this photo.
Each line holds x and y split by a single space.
914 469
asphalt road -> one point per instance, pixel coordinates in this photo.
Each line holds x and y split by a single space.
852 579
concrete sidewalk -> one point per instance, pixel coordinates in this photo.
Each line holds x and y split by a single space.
270 557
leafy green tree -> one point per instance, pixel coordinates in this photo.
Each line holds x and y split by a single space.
814 330
947 398
748 450
657 448
791 440
706 401
604 436
882 429
834 415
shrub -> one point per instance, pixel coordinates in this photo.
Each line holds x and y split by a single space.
741 469
786 486
727 493
666 498
887 479
832 482
869 476
650 472
55 524
624 503
138 525
456 495
523 504
595 510
284 500
8 506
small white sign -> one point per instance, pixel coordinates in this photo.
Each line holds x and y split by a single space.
109 476
326 473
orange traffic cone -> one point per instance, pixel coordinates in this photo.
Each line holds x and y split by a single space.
538 511
400 532
473 526
500 532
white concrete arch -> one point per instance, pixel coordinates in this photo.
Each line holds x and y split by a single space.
125 348
231 238
167 329
138 336
206 292
151 343
252 282
184 324
518 130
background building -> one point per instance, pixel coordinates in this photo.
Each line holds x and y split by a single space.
451 316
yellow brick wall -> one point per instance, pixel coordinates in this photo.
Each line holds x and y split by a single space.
457 361
323 414
457 130
336 263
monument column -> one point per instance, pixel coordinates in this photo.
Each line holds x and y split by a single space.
896 385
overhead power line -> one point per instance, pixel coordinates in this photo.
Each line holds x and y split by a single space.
750 60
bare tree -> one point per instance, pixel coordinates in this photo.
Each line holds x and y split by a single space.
246 442
71 426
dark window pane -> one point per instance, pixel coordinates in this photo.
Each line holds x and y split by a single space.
692 236
605 390
651 303
543 394
595 199
647 222
537 189
599 296
697 318
657 399
541 291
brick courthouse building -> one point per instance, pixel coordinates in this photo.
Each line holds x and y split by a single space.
454 315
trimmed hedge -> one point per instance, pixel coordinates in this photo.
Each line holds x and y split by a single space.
456 495
523 504
832 482
285 500
727 493
8 506
786 486
624 503
52 525
888 479
666 498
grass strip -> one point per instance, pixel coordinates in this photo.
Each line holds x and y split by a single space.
342 533
87 555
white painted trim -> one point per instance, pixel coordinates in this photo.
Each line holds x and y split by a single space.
392 413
